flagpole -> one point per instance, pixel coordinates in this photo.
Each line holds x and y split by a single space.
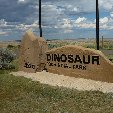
40 27
97 24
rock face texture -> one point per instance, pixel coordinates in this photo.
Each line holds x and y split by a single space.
79 62
32 55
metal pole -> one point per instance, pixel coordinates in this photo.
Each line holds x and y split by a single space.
40 18
97 25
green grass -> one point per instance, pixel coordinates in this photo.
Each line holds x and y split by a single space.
110 57
21 95
108 45
14 63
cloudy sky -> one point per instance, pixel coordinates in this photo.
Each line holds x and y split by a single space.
60 18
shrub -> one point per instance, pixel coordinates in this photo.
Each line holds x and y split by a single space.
10 46
6 57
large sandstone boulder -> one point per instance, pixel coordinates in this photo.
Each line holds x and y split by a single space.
80 62
32 53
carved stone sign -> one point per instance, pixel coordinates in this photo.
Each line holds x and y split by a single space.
32 53
79 62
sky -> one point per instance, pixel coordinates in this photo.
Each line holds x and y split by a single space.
61 19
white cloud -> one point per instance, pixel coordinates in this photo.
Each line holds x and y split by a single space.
86 25
105 26
67 23
105 23
71 8
64 23
106 4
51 9
26 26
111 14
104 20
75 9
80 19
3 22
68 31
3 33
21 0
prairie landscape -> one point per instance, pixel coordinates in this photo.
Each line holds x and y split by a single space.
106 46
34 82
21 95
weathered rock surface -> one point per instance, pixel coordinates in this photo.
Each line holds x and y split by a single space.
32 53
80 62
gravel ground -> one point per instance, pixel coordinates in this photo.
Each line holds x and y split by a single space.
68 82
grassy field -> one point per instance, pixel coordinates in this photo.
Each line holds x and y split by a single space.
107 45
88 43
21 95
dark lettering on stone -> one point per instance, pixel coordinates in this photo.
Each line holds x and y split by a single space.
95 59
84 67
29 65
58 65
48 57
56 58
80 67
33 66
51 64
77 66
48 63
61 65
74 67
70 59
25 64
77 59
63 58
54 64
65 66
86 61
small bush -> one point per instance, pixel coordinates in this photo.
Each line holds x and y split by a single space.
10 46
6 57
